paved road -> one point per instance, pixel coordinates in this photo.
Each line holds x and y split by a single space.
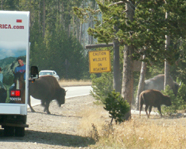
76 91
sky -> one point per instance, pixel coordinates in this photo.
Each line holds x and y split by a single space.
12 50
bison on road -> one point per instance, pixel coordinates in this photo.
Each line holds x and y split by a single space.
157 83
46 88
153 98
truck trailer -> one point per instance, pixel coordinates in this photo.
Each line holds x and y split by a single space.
14 74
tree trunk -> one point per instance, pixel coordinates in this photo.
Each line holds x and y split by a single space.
92 26
69 27
166 65
61 14
127 83
77 29
141 82
39 17
44 14
117 73
73 26
83 34
80 32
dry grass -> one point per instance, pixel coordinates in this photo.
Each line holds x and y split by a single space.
138 133
63 82
92 115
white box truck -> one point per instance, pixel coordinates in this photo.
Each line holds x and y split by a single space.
14 71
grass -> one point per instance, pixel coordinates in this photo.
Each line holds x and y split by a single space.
137 133
64 82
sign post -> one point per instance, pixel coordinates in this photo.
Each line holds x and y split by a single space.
99 61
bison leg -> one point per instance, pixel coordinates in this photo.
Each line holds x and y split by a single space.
146 107
30 105
159 108
42 103
150 108
140 108
47 108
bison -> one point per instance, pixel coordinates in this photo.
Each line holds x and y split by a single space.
157 83
153 98
46 88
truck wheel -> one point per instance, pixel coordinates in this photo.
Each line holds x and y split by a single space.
19 131
8 131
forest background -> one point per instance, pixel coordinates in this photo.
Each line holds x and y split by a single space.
57 36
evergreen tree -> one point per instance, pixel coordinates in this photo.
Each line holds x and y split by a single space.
52 44
146 27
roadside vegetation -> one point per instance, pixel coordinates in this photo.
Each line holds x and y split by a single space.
137 133
178 102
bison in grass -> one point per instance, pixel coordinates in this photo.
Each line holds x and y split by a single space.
153 98
46 88
157 83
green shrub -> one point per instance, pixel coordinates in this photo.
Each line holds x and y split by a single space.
177 102
181 97
102 85
116 106
168 110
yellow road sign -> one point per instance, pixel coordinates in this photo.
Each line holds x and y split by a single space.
99 61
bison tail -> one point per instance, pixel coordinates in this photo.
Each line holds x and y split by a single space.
141 99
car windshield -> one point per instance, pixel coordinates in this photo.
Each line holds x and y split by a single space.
45 73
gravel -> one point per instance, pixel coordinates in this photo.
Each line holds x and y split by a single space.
60 130
57 130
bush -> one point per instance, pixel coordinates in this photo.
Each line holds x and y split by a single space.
102 85
116 106
178 102
181 97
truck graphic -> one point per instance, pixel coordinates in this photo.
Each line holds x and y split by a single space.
14 66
